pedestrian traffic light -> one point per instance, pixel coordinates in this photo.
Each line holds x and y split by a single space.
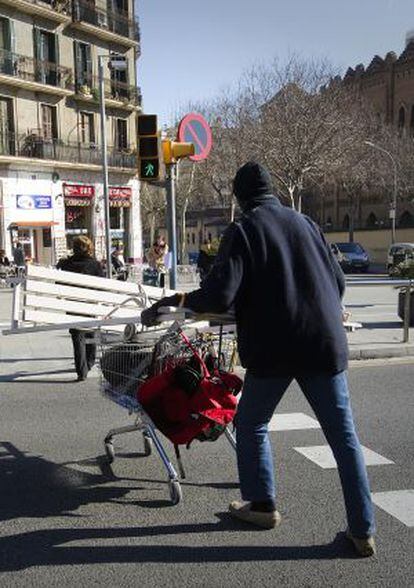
172 150
148 148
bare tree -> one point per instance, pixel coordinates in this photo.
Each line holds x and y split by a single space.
153 206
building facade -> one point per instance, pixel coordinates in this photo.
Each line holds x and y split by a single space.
51 186
388 85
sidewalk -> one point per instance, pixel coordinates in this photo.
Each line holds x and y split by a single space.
49 357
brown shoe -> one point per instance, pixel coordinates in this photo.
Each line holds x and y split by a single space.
266 520
364 546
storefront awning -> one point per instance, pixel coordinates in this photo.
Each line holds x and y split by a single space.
34 224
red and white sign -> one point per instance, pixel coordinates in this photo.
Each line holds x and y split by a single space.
194 128
78 191
120 192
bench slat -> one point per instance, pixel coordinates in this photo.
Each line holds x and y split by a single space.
157 293
55 318
78 308
44 273
82 294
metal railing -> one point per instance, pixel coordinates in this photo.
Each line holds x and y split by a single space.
88 85
34 70
116 22
407 286
33 145
61 6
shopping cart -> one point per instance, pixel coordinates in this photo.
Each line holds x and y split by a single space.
127 361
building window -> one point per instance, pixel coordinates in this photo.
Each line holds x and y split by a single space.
412 121
345 222
121 134
193 238
46 51
188 238
401 119
406 220
371 221
83 67
7 143
49 122
87 129
7 60
119 78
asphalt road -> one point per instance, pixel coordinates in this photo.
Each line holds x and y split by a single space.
68 520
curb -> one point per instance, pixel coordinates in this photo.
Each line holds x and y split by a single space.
381 353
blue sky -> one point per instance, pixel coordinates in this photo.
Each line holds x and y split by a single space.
191 48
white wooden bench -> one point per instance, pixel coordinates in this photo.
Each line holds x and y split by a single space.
50 299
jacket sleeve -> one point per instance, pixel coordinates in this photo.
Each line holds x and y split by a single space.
219 289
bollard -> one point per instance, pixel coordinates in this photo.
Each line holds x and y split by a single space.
407 300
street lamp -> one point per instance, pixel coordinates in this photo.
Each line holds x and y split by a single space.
393 209
117 62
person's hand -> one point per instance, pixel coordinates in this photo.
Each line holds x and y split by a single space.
149 316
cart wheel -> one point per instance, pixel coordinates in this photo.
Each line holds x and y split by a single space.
175 491
147 445
110 451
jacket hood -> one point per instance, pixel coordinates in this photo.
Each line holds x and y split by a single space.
252 180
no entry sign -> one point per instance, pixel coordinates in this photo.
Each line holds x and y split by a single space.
194 128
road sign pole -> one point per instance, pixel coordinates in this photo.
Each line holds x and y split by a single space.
171 222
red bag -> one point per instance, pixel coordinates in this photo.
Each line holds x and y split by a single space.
182 417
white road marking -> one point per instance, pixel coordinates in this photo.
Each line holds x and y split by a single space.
323 456
292 421
397 503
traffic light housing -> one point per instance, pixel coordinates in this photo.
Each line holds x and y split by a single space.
173 150
148 147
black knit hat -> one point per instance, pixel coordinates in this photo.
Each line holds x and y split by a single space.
251 180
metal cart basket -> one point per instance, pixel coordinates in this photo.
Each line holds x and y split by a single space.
127 360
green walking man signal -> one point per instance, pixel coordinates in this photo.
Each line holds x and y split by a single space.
148 147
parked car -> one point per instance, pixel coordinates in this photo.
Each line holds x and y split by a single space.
354 257
397 253
338 255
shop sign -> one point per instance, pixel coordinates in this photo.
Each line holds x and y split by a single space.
120 192
30 202
77 202
78 191
120 196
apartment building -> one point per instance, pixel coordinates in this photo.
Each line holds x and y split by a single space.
50 139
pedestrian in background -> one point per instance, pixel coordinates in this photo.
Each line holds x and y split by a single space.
4 260
18 256
118 264
276 269
156 257
82 262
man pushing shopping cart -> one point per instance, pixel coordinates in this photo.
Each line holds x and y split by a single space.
275 268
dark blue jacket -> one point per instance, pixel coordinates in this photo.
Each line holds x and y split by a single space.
275 268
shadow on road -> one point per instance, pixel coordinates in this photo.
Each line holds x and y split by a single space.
46 547
37 488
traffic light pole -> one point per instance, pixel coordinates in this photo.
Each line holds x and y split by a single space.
171 221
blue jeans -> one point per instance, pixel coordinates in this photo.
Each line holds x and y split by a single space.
329 398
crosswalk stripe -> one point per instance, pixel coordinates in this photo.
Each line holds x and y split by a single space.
292 421
397 503
323 457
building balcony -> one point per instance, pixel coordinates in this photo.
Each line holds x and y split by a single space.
117 94
31 74
58 11
117 27
32 149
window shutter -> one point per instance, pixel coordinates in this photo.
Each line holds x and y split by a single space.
89 64
37 52
57 52
78 64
